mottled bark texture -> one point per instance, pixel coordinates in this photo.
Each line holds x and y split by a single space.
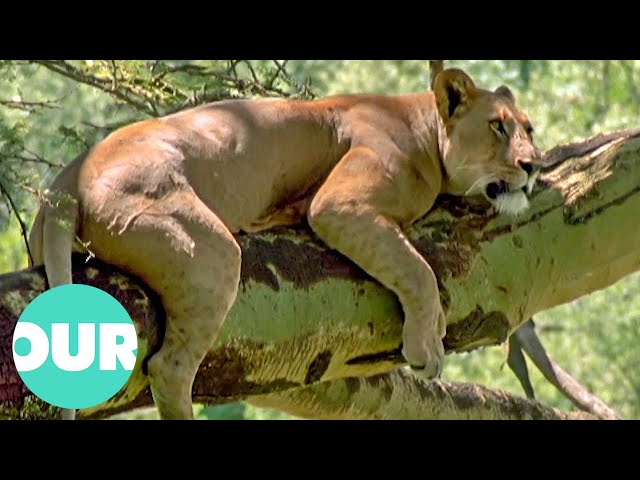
305 314
398 395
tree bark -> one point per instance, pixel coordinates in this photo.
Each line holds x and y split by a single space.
305 314
399 395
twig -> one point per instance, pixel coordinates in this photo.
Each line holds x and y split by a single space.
149 96
232 67
38 159
564 382
278 71
114 75
154 65
253 72
36 193
518 365
85 245
69 71
23 227
28 106
109 127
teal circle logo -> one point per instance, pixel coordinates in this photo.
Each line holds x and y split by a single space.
74 346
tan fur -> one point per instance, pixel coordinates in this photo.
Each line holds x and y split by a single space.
161 199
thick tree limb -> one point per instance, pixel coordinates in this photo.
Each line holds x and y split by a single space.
398 395
305 314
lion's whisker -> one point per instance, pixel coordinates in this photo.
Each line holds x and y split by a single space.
484 179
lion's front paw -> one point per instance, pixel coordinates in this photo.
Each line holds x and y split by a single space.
428 362
422 341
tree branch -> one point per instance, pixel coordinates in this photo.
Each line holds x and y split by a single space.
518 364
123 93
558 377
29 106
159 94
305 314
399 395
23 229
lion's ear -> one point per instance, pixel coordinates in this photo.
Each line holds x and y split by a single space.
453 90
505 92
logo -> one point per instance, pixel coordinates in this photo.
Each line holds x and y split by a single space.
74 346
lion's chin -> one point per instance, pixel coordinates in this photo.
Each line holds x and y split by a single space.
512 203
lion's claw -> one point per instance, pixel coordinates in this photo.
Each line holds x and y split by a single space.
428 373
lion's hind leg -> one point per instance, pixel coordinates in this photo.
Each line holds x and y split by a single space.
188 256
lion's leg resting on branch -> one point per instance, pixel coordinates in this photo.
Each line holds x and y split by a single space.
357 220
197 280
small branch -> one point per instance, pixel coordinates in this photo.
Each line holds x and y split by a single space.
35 192
69 71
518 365
114 75
150 95
36 158
207 97
29 106
23 228
109 127
253 72
280 68
564 382
231 68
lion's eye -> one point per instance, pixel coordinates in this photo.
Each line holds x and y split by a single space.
498 127
529 130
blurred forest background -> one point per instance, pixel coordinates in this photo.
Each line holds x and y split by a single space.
52 110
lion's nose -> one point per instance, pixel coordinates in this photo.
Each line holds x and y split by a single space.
526 166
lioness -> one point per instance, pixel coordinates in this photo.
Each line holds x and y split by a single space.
162 199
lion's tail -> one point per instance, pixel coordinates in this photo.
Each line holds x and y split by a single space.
54 229
50 242
36 256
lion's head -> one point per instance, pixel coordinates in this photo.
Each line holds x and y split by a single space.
488 148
